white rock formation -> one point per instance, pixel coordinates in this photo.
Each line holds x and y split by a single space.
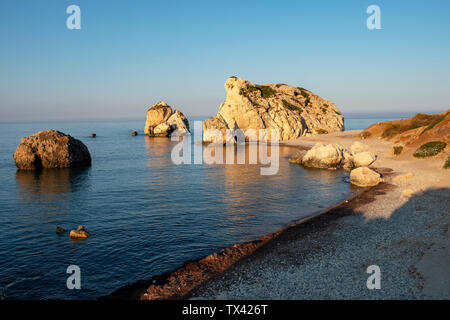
162 121
292 111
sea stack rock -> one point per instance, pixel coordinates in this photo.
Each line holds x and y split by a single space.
293 111
51 149
162 121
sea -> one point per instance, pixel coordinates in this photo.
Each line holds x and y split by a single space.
145 213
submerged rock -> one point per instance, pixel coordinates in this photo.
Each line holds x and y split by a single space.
364 177
163 122
292 111
80 233
60 230
297 157
134 133
51 149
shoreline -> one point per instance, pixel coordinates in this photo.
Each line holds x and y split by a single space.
166 285
220 274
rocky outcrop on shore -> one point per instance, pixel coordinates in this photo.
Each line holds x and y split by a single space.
162 121
51 149
333 156
292 111
364 177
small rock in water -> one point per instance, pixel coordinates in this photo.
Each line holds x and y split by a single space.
60 230
134 133
94 135
80 233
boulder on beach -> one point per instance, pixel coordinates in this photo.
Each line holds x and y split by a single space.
51 149
332 156
364 177
363 159
323 156
162 121
292 111
80 233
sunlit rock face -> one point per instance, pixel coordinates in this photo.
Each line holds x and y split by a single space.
162 121
51 149
292 111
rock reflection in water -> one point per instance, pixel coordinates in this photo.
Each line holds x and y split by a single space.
50 184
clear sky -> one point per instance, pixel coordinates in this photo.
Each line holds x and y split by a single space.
130 54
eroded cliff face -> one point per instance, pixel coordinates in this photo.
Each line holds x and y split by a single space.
163 122
292 111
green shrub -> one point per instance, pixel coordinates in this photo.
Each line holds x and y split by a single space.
398 150
292 107
430 149
266 91
447 163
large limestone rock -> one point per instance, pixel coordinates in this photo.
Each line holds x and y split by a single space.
323 156
162 121
51 149
292 111
363 159
364 177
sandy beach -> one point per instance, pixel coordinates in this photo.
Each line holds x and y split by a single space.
400 225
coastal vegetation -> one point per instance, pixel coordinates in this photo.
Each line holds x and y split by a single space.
398 150
447 163
430 149
292 107
266 91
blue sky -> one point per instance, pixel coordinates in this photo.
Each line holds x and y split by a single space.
130 54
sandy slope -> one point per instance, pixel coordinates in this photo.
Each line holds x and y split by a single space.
401 226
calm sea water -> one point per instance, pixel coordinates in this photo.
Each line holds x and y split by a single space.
145 214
